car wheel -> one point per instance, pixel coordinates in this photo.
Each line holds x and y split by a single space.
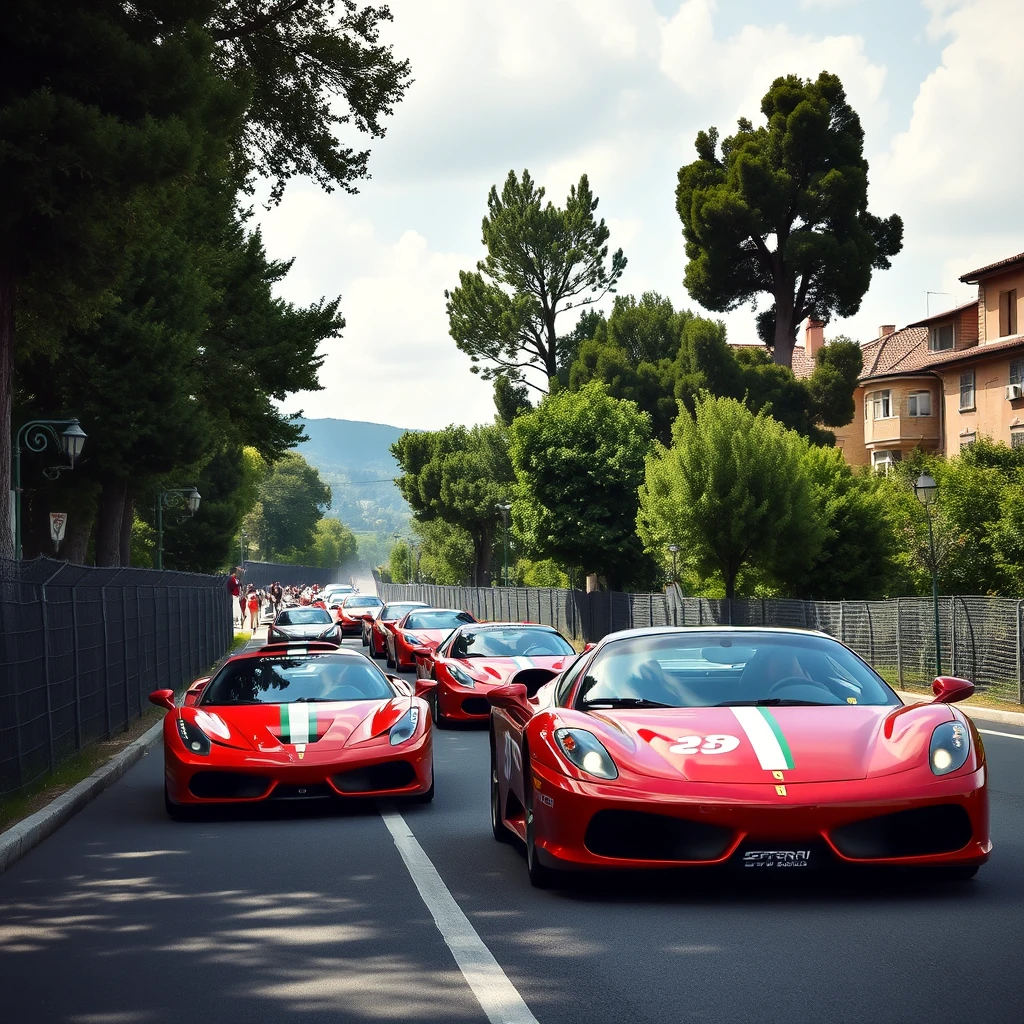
362 637
498 829
373 647
541 877
388 660
440 722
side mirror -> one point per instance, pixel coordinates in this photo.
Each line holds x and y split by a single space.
950 689
193 692
424 686
162 699
588 647
403 684
512 696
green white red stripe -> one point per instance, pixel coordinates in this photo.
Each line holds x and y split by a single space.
298 723
766 737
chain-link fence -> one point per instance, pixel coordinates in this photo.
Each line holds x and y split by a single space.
980 637
262 574
82 648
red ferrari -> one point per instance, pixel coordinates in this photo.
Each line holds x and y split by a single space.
420 631
353 608
475 659
375 631
295 722
768 749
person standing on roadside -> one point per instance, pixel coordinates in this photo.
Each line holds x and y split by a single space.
254 608
276 595
235 590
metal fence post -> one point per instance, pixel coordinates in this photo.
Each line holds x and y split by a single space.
899 647
842 622
76 670
952 636
106 661
139 657
1020 680
46 637
124 647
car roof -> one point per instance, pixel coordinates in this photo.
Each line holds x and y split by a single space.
668 630
454 611
476 626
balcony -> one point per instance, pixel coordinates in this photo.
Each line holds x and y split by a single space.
908 429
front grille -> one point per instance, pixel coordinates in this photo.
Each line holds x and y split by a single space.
637 835
476 706
310 791
228 785
376 777
914 833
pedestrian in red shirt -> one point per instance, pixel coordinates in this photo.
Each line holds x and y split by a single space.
235 590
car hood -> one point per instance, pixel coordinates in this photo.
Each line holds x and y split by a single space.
271 727
499 671
752 744
427 637
307 632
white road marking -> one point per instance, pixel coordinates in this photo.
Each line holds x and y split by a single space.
497 996
1008 735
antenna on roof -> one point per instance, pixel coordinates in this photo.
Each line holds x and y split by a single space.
927 311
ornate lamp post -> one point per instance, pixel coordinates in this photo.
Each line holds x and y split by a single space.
242 538
36 435
186 498
674 548
927 490
504 509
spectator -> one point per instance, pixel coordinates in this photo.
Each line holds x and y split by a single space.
254 608
235 590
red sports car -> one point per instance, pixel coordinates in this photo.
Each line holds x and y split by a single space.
353 608
295 722
421 630
768 749
475 659
375 631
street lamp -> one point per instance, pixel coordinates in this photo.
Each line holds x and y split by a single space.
927 490
504 509
186 498
674 548
36 435
242 538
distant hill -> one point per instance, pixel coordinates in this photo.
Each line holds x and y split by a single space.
354 458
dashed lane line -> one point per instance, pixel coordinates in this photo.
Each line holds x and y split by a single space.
1008 735
498 997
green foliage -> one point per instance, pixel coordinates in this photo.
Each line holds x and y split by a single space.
799 182
458 475
333 545
541 261
400 562
510 399
294 500
445 553
733 492
579 459
543 573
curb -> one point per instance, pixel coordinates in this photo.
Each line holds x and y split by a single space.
982 714
29 833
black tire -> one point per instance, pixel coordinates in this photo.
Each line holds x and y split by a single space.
541 877
362 638
957 874
175 811
498 828
440 722
387 656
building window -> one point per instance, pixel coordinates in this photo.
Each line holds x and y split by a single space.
1017 437
919 403
1008 313
966 440
881 405
1017 371
882 462
966 390
941 338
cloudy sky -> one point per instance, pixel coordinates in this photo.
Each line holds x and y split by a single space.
618 89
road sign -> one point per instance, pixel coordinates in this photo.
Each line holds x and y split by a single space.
58 521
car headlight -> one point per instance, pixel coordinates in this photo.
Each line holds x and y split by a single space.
410 640
587 752
333 631
405 727
949 748
462 677
196 741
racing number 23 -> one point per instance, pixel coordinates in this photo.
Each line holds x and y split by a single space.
717 743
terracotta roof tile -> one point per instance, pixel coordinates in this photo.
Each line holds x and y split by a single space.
945 314
895 353
971 277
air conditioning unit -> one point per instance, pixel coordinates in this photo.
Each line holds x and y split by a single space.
1014 391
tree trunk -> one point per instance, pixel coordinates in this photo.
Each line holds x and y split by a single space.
108 526
730 584
483 542
127 522
6 391
76 539
785 332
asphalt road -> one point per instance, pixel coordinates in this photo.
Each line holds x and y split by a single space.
125 917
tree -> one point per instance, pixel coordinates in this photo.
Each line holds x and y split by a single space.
445 553
294 500
800 183
541 261
400 567
579 460
510 399
733 492
458 475
333 545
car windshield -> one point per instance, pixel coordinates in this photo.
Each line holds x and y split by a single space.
287 679
437 620
721 669
361 602
397 611
511 642
303 617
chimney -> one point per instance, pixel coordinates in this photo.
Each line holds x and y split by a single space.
814 338
886 329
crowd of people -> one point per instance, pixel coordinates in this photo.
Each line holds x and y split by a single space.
252 605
